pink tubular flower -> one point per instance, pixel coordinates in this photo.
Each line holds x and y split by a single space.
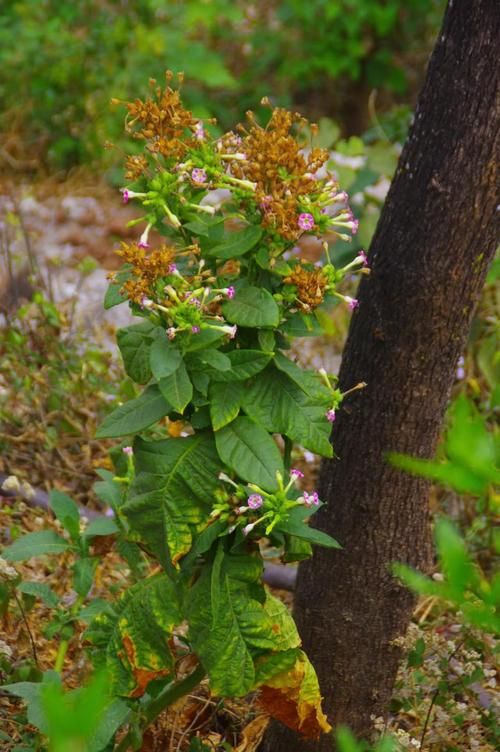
352 302
311 499
230 292
146 302
255 501
143 240
128 451
296 473
199 176
199 131
362 258
266 202
172 268
330 415
232 331
306 221
195 329
126 196
248 528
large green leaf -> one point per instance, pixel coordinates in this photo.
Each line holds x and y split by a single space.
253 307
237 243
35 544
248 449
135 343
171 497
135 415
177 388
228 625
281 406
243 365
135 635
309 381
225 401
164 358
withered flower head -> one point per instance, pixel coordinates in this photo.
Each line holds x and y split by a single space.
283 174
310 286
162 121
146 268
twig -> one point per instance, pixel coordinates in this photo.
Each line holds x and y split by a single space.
25 619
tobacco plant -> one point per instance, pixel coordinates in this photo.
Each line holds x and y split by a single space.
203 476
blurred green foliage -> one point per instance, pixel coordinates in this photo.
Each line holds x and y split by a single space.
61 62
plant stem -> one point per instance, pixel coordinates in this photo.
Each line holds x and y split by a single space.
61 655
287 458
168 696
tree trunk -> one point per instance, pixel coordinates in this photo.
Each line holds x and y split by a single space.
429 258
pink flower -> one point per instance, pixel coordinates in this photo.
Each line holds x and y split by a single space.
330 415
143 240
126 196
199 131
195 329
232 331
172 268
296 473
352 302
128 451
266 202
255 501
146 302
248 528
306 221
362 258
311 499
230 292
199 176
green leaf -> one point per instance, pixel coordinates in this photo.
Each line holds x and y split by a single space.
66 512
301 325
83 574
113 296
282 406
171 497
225 400
248 449
216 359
164 358
135 636
237 243
114 716
226 625
177 388
309 381
40 590
135 344
252 307
101 526
300 529
35 544
244 364
455 561
135 415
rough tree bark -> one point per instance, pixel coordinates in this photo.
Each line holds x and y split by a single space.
429 257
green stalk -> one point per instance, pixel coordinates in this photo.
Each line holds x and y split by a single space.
61 655
167 696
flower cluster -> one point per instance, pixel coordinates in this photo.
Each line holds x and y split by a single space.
248 507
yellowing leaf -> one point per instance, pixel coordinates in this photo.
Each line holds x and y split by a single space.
293 698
